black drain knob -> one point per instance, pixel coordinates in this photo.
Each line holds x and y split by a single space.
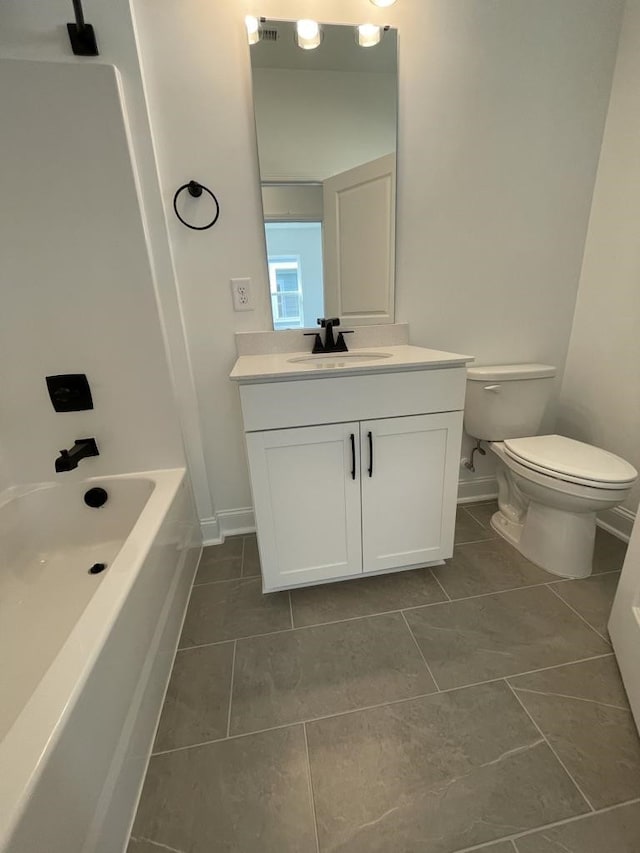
96 568
96 497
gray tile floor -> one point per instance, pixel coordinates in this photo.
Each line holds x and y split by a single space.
474 706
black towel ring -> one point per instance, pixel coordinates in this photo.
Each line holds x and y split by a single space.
195 190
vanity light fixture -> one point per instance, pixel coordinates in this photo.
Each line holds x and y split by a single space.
383 3
253 29
368 35
308 35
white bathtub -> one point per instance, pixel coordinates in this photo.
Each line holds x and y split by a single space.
85 658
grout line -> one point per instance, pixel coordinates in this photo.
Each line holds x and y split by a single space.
291 610
397 610
204 646
477 520
529 672
516 836
449 600
567 696
244 539
435 577
233 672
295 723
310 778
228 580
375 706
478 595
513 844
579 615
420 652
243 637
560 761
592 575
484 541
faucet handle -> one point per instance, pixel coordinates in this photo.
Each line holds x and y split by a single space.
324 321
318 346
341 344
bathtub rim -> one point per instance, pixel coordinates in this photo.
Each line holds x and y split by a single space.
37 729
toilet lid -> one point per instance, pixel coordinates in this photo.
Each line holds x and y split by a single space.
571 460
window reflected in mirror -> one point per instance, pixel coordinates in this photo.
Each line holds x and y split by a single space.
326 122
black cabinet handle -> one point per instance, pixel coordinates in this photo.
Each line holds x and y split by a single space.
371 454
353 456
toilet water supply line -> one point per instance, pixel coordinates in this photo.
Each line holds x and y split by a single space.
477 449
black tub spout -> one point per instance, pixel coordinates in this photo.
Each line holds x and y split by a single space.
68 459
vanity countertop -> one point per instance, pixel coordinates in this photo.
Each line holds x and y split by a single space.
283 366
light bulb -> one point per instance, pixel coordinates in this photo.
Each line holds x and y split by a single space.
369 35
383 3
308 34
253 29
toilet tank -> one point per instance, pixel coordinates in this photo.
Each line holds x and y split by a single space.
507 400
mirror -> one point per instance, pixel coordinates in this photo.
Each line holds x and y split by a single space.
326 124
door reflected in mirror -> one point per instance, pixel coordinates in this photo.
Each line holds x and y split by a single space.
326 123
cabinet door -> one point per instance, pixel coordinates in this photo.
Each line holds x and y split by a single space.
306 494
409 489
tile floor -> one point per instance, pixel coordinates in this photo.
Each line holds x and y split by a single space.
474 706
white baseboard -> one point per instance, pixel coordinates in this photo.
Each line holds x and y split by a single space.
210 528
231 522
618 521
478 489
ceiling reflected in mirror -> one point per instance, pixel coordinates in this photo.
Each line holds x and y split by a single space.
326 124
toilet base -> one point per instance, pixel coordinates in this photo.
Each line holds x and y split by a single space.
556 540
509 530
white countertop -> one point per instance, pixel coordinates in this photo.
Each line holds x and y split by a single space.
273 367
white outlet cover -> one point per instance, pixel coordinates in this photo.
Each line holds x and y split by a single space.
241 292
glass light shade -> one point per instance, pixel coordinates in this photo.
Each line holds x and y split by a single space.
253 29
308 34
369 35
383 3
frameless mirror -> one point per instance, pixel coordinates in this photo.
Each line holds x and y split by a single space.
326 123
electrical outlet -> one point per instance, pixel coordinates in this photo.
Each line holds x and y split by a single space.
241 290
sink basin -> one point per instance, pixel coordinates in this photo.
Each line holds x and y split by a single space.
338 359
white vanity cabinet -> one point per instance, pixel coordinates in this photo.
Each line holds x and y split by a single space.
354 474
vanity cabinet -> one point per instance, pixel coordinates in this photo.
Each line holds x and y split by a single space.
353 475
338 500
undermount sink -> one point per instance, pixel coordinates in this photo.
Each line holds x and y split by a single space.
338 359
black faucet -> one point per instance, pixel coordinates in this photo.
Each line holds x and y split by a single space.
68 459
329 345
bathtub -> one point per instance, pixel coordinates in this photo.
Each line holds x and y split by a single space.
85 657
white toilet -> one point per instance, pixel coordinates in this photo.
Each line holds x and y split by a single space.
549 487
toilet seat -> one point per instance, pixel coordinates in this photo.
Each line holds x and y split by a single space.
572 461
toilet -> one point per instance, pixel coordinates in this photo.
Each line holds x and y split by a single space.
549 487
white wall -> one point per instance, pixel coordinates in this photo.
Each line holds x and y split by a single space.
76 288
600 398
293 202
315 124
38 31
502 106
